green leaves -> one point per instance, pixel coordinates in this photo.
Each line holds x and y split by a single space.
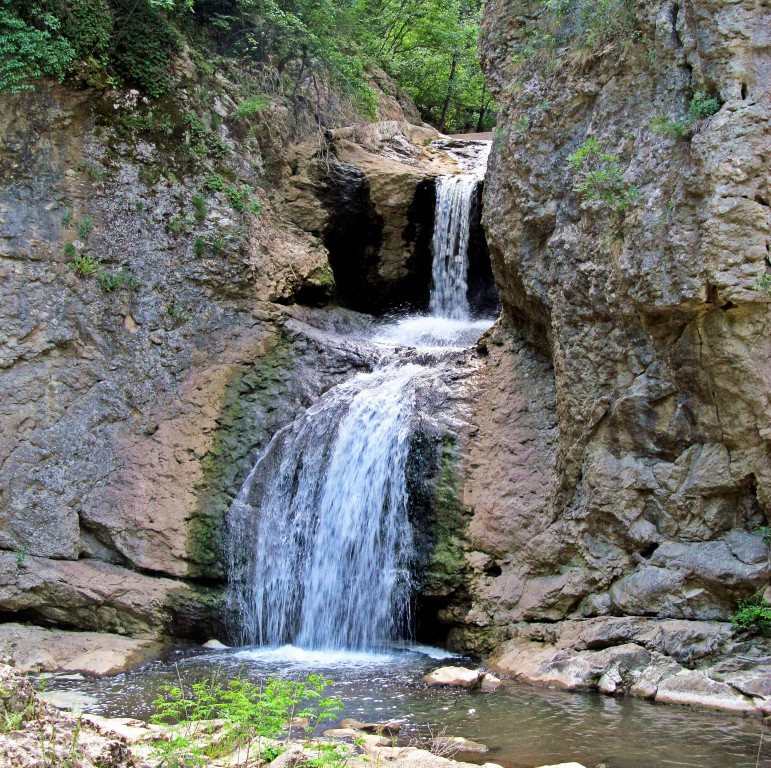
251 712
31 47
599 177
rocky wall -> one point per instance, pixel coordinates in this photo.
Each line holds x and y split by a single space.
621 466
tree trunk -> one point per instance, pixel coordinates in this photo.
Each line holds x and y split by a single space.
450 84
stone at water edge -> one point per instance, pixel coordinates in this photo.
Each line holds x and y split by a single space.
214 645
490 683
563 765
377 728
455 676
461 744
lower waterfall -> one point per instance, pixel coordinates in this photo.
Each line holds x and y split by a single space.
320 542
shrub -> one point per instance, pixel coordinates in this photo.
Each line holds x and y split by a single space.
241 199
199 247
251 106
31 46
250 713
115 281
599 177
85 226
699 107
753 613
66 219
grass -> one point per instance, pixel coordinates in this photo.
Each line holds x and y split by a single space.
110 281
598 177
85 226
251 106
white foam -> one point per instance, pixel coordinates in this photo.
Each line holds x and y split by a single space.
430 331
292 654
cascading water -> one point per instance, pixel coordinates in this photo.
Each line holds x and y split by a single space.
320 541
333 541
452 225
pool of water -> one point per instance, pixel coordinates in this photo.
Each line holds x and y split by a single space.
524 726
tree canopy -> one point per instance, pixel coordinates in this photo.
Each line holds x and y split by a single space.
429 47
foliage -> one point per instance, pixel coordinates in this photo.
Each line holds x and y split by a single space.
199 208
763 282
202 141
251 106
599 177
699 107
85 264
21 556
753 613
85 226
250 712
214 182
31 46
66 219
199 247
241 199
764 531
114 281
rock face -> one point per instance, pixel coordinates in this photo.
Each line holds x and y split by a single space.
622 460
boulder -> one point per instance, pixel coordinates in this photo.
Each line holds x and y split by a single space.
692 687
490 683
450 744
460 677
34 649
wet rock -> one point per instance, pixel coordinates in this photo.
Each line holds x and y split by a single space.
459 744
691 687
490 683
390 729
33 649
454 676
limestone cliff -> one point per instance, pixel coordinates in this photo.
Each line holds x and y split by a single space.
621 466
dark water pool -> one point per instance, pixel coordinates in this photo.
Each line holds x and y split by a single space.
524 726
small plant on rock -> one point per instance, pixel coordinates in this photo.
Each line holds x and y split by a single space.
85 226
753 613
700 107
115 281
599 177
199 208
85 264
763 282
251 106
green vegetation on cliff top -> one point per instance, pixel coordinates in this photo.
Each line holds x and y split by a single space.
311 52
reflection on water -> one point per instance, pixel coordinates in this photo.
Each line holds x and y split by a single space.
524 726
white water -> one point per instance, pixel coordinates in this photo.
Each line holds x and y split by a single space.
320 542
452 225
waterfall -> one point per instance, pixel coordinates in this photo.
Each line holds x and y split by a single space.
319 539
330 556
452 224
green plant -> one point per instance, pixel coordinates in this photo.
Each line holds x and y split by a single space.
178 224
763 282
213 182
241 199
117 280
753 613
764 531
70 251
599 177
85 264
66 219
85 226
199 247
699 107
250 713
199 208
251 106
522 125
94 171
21 556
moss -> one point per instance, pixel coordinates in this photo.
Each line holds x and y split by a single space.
447 566
250 395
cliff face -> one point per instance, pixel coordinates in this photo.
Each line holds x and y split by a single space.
624 436
150 256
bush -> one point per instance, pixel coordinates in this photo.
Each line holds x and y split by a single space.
754 613
251 106
31 46
700 107
250 713
599 177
